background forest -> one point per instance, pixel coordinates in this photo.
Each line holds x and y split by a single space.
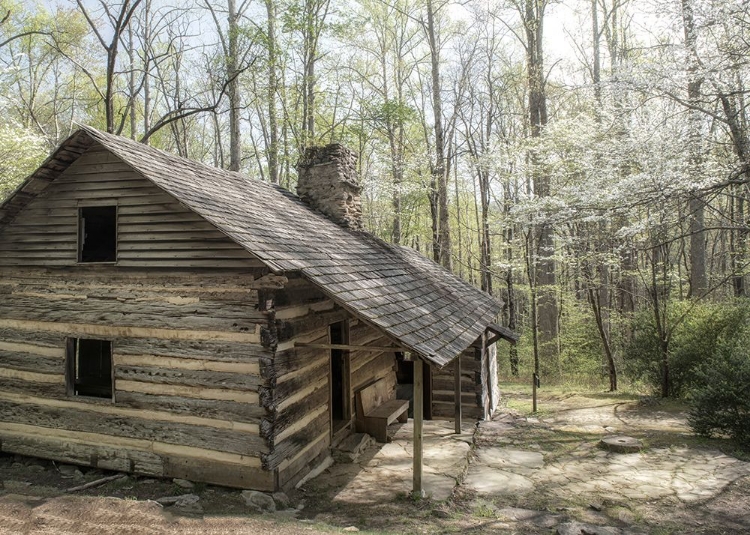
584 160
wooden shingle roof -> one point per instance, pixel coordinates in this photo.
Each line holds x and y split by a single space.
412 299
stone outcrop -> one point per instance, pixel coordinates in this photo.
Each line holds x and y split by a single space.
327 182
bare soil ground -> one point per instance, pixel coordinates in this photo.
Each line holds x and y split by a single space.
548 469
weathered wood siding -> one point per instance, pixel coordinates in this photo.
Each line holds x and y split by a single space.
187 359
472 392
154 230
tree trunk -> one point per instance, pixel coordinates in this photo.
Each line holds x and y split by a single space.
272 151
544 248
439 171
698 281
235 147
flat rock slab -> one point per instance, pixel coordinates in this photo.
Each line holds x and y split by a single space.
580 528
542 519
494 482
379 477
621 444
509 459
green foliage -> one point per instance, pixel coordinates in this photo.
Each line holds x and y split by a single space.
698 331
20 153
582 355
720 403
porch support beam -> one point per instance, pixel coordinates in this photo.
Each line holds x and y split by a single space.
417 490
457 391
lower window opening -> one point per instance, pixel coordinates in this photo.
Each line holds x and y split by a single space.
89 367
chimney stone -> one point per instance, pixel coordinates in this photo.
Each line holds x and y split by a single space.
327 182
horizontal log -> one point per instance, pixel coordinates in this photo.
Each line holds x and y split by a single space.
228 475
168 376
204 408
292 471
116 331
295 443
245 368
285 388
52 347
194 392
160 448
176 315
185 263
447 410
33 363
288 360
81 453
27 385
288 330
300 424
240 352
226 440
278 421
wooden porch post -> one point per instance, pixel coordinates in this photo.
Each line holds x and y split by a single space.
418 415
457 392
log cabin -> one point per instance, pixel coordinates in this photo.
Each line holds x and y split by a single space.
163 317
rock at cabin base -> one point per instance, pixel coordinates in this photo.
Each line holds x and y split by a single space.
183 483
281 500
259 501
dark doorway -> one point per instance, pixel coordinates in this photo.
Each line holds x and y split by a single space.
405 384
340 395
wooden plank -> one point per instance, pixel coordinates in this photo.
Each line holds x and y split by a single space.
348 347
30 345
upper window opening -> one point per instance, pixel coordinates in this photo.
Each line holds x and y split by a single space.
98 234
89 367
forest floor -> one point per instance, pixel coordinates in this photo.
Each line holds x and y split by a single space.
519 473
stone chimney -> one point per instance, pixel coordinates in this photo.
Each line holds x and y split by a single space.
327 182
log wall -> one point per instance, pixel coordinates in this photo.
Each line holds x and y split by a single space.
187 359
472 391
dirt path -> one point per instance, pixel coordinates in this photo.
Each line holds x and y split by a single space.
527 475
